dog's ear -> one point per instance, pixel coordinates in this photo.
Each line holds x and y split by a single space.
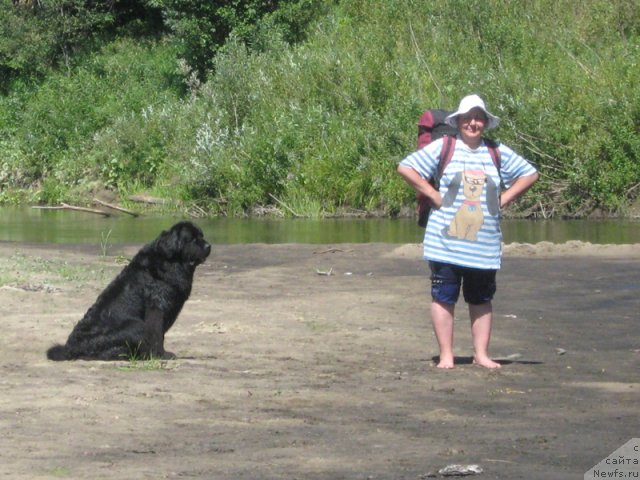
493 197
168 243
173 243
187 233
452 192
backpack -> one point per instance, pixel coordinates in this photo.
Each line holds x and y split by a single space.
431 127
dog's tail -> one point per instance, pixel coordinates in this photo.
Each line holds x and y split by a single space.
58 353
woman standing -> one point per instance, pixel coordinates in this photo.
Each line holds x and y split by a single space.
463 241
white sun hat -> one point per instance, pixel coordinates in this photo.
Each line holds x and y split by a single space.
467 104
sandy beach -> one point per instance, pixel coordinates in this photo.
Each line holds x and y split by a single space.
317 362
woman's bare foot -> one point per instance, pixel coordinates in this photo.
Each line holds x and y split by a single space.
486 362
445 362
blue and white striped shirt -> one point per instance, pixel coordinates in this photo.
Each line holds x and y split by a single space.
466 231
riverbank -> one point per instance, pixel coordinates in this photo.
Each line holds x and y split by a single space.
316 362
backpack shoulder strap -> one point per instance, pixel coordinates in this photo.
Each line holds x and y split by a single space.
494 151
448 146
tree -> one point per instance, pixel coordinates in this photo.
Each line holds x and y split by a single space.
202 27
36 35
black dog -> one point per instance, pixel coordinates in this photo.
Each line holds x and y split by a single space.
131 316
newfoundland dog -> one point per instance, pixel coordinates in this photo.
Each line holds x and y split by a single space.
131 316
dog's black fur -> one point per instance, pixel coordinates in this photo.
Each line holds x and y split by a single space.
131 316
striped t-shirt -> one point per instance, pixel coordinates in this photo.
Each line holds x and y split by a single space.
465 231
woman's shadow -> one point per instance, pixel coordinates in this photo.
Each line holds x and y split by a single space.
508 360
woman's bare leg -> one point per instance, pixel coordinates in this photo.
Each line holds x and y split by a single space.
481 319
442 319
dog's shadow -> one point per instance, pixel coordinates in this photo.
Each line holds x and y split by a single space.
500 360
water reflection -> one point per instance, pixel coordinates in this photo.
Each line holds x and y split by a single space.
560 231
56 226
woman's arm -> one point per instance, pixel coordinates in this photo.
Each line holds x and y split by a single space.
422 186
519 187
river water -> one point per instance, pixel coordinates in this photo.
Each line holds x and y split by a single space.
63 226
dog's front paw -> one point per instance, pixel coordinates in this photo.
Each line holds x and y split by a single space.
167 356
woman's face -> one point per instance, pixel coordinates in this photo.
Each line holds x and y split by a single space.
471 126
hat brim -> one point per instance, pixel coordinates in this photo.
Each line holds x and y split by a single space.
492 120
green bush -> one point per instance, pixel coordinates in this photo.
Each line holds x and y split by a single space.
63 118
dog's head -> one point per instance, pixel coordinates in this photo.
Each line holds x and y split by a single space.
183 242
474 181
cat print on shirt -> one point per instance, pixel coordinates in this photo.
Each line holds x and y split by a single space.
469 218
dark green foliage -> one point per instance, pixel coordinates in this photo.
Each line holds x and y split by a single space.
57 128
34 36
203 27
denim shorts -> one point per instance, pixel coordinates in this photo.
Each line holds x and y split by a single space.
478 285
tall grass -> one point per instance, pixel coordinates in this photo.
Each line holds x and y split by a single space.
328 121
54 127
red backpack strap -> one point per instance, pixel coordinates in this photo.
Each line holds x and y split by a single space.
449 146
494 152
446 154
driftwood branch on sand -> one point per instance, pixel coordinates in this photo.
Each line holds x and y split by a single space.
115 207
65 206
